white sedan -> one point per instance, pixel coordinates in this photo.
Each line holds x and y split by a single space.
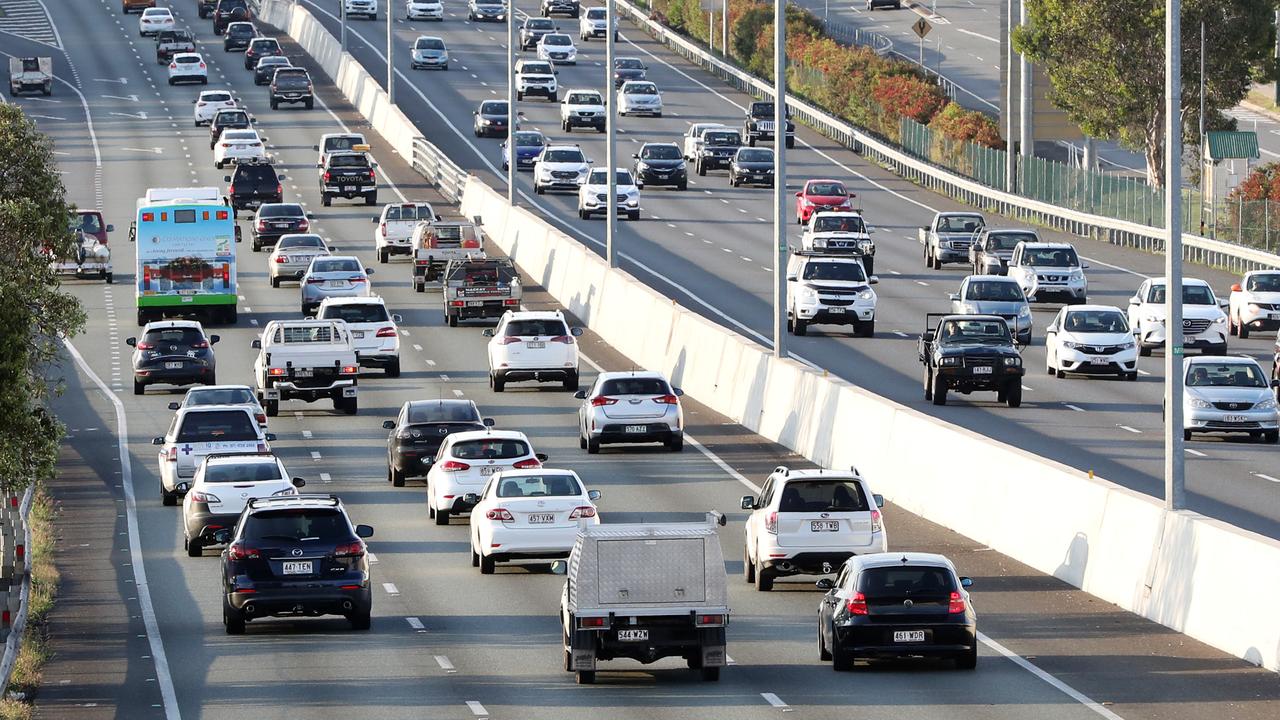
237 145
155 19
593 195
424 10
529 515
222 486
188 67
639 97
209 103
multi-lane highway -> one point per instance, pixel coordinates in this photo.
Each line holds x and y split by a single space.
137 632
708 247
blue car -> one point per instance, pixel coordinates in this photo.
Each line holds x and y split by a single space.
529 144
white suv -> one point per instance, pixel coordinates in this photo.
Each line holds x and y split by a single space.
536 77
593 195
533 345
583 108
1204 324
595 23
808 522
373 330
560 167
630 407
465 462
1046 269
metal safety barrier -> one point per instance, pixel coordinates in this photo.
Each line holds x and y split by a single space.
431 162
15 576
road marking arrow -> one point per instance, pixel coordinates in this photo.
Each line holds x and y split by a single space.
130 98
154 150
135 116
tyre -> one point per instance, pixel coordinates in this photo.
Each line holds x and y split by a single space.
676 444
585 677
969 660
486 565
1271 437
791 142
393 368
108 278
570 382
475 560
634 215
232 619
360 620
194 547
748 568
593 446
538 190
371 198
451 319
271 407
1143 351
498 383
702 171
350 406
442 517
801 327
275 282
1186 435
1242 331
764 579
823 653
326 199
711 674
311 103
1013 394
1131 376
751 141
274 105
167 498
138 387
840 662
940 390
397 477
582 440
683 186
1059 373
866 328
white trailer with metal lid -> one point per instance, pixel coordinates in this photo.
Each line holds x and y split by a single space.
645 592
30 74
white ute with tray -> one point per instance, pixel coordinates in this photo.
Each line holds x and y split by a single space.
306 360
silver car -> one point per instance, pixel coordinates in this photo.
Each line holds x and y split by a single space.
333 276
630 407
1228 395
293 255
995 295
429 52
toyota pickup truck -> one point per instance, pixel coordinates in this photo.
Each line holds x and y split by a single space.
479 287
968 353
645 592
396 225
30 74
348 174
1254 303
948 237
306 360
435 244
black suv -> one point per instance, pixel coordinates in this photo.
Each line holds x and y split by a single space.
419 430
204 8
751 166
229 119
238 36
295 556
759 124
253 184
970 353
660 164
229 11
259 48
276 219
176 352
532 30
348 175
291 85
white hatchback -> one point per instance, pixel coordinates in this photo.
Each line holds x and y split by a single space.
222 486
373 330
533 345
557 48
466 461
1090 340
209 103
188 67
529 515
155 19
236 145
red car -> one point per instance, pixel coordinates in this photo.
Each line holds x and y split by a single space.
821 195
90 223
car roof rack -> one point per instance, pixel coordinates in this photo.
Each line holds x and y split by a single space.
330 500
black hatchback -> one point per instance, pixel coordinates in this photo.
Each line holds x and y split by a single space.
254 184
891 605
420 429
752 166
176 352
295 556
238 36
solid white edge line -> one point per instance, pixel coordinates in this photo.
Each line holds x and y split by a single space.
163 677
1062 687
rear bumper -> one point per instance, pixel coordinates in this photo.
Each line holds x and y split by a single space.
378 360
811 562
539 374
530 544
876 640
338 191
314 599
185 376
202 524
616 433
289 391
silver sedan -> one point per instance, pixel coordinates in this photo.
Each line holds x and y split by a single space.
292 256
333 276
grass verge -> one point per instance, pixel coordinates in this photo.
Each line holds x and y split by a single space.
19 696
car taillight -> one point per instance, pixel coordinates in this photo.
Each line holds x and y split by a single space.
471 243
303 224
511 302
499 514
877 523
387 332
710 620
145 346
510 339
226 145
530 464
667 400
562 339
454 466
200 345
262 447
262 225
201 66
231 189
240 551
350 369
282 258
771 523
279 189
275 371
593 622
602 400
204 497
314 281
326 176
956 605
261 418
171 455
353 549
460 303
201 103
581 512
857 605
173 66
373 177
357 279
382 228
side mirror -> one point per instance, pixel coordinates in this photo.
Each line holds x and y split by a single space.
576 332
438 218
311 216
174 405
593 495
213 339
791 278
954 297
488 422
542 457
1275 383
475 112
396 318
368 271
316 148
799 194
299 482
748 502
966 582
157 441
374 220
635 156
269 437
111 228
677 391
471 498
559 567
256 344
226 178
487 332
1134 300
320 165
580 395
282 177
927 336
874 280
222 537
364 531
388 424
1224 303
1084 266
825 584
879 499
131 342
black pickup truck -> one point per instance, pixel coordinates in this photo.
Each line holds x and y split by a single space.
172 42
758 124
291 85
968 353
348 175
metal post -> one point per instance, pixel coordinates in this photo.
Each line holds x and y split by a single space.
342 13
724 27
1010 160
779 179
1024 78
1202 137
711 37
512 115
1174 461
391 72
1276 99
611 142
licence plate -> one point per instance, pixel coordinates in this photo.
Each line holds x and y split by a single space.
982 370
475 303
334 283
173 366
542 518
280 226
357 334
348 188
490 469
824 526
1099 361
635 429
297 567
303 372
908 636
1236 419
535 345
633 635
836 311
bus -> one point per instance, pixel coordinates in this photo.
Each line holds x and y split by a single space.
186 260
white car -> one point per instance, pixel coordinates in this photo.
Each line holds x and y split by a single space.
560 167
188 67
593 195
236 145
630 407
536 77
1204 324
367 8
829 290
1047 271
199 431
1090 340
155 19
557 48
396 226
1228 395
374 331
223 395
639 97
595 23
222 486
529 515
837 232
209 103
532 345
693 138
291 256
808 522
466 461
583 108
1254 303
424 10
429 52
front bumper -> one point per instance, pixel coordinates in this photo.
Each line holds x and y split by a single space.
555 183
830 315
430 61
1043 291
348 190
662 177
812 560
752 177
715 162
1213 340
425 12
591 121
1073 361
541 90
631 109
1215 420
952 255
1260 319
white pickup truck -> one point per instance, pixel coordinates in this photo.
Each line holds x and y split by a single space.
306 360
395 227
1254 303
30 74
948 237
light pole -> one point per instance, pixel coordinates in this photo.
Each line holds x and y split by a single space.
611 139
391 71
779 178
1174 460
511 104
1024 81
1010 161
342 12
724 27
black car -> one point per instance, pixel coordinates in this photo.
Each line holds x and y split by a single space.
751 166
348 175
758 124
532 30
254 184
173 352
970 353
276 219
259 48
266 69
418 431
229 11
718 149
565 7
230 119
991 252
204 8
892 605
291 85
660 164
491 119
627 68
238 35
295 556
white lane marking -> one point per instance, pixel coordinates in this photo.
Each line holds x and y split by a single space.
1025 387
373 558
1135 431
445 664
306 434
432 363
404 333
419 347
391 588
326 477
168 695
457 392
899 333
1143 372
894 272
1197 453
315 455
1266 477
97 154
922 283
729 659
1077 408
444 377
415 623
477 709
1066 689
776 701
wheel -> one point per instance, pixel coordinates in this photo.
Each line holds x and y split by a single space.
393 368
969 660
1186 435
167 498
676 444
537 189
397 477
217 164
570 381
764 579
499 383
582 214
271 407
486 565
1131 376
1271 436
823 652
791 142
866 328
442 517
349 406
274 105
702 171
194 547
586 677
275 282
256 246
633 215
711 674
475 557
326 199
940 390
751 141
232 619
1059 373
311 103
1144 351
371 198
582 440
108 278
840 662
683 186
1013 394
593 446
1243 331
451 319
748 568
928 384
138 387
801 326
360 620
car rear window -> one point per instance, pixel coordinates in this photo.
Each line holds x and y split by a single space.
281 210
901 582
300 241
297 524
220 396
258 173
264 44
348 161
410 212
491 449
356 313
292 77
339 265
231 118
186 337
218 426
215 97
539 486
531 328
634 386
443 412
242 472
823 496
186 59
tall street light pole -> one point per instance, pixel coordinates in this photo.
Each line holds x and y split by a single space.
1010 161
342 12
1174 460
391 68
779 179
511 103
611 141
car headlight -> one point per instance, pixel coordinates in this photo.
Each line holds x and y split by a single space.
642 166
1024 311
286 491
1265 405
865 244
949 360
807 294
485 121
866 295
1070 345
1128 345
1155 319
1198 403
1012 361
1221 319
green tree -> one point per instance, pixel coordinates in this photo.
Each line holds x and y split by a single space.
36 313
1105 62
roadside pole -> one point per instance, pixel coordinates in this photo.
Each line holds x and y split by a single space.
511 104
1174 458
779 179
611 143
391 68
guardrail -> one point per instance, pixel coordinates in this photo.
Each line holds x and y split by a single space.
15 577
431 162
932 177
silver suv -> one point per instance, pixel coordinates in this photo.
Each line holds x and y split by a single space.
630 407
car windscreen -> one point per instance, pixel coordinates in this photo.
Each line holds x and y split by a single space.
960 224
556 40
449 411
493 108
1050 257
1191 295
994 290
1226 375
356 313
827 189
755 155
182 337
596 13
220 396
280 210
217 426
916 581
428 44
539 486
1264 282
1095 321
584 99
846 271
628 64
640 89
321 265
974 331
324 524
490 449
540 24
660 152
722 139
300 241
840 223
536 68
600 177
1009 241
242 472
536 328
530 139
652 387
563 156
818 496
